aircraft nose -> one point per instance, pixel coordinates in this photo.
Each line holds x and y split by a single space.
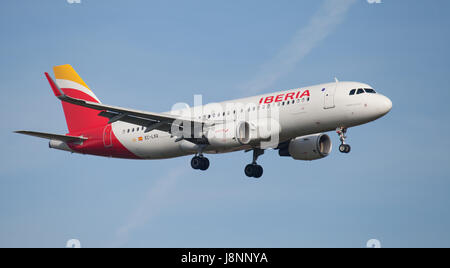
385 105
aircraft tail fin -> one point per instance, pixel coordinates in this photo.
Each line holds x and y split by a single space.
69 83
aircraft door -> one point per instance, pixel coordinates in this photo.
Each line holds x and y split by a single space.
107 136
329 96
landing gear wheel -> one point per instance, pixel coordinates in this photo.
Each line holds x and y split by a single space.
200 162
205 164
258 172
253 171
348 149
345 148
196 162
249 170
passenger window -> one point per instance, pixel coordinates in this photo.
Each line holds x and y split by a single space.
360 91
352 92
369 90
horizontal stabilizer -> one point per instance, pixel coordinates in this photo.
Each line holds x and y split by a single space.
50 136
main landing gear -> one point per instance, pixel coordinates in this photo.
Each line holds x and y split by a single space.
343 148
254 170
200 162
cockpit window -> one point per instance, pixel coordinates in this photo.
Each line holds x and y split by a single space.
352 92
360 91
369 90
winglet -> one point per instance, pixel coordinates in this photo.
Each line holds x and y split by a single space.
56 90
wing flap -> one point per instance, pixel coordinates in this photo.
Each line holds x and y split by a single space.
149 124
131 112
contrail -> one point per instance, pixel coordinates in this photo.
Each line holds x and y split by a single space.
330 14
154 201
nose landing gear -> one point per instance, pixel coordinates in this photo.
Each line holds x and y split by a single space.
254 170
343 148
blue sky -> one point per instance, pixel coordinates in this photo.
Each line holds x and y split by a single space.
393 187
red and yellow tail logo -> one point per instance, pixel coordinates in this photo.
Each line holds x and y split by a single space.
78 118
72 84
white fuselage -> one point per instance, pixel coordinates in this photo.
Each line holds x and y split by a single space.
324 108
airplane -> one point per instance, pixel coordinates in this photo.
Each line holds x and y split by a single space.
293 122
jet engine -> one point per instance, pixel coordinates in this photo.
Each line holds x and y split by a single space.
257 132
223 135
310 147
264 133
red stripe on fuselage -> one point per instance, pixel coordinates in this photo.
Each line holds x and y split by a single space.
86 122
98 144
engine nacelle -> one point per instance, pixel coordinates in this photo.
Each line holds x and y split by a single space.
311 147
223 135
232 134
258 132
